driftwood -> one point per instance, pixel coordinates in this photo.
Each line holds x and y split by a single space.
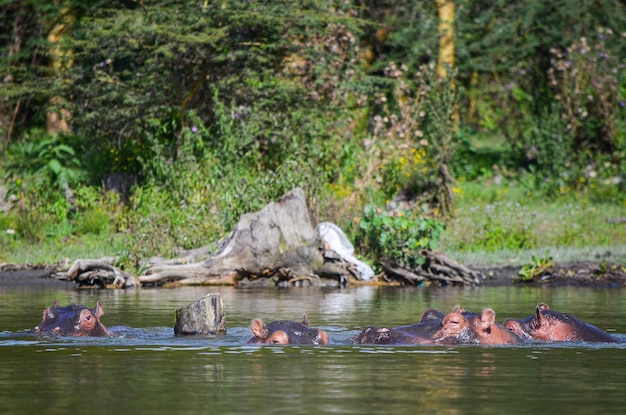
438 268
97 272
205 316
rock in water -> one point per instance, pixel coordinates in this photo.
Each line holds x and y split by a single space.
205 316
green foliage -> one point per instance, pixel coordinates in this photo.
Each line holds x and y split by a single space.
495 217
538 267
545 75
37 226
411 139
95 222
398 239
43 162
586 77
222 107
549 165
152 66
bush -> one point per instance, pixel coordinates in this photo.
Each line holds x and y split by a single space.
398 239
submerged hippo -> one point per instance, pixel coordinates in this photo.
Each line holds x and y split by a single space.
487 330
421 333
434 327
550 325
72 320
286 332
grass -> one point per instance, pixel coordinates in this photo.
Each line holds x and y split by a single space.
503 224
16 251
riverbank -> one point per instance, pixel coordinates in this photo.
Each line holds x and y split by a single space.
576 273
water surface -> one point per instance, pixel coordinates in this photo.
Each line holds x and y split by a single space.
152 371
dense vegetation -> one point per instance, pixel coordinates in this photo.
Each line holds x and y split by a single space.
213 109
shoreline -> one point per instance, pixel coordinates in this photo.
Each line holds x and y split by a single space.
575 273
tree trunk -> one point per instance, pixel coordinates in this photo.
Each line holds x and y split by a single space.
57 117
446 12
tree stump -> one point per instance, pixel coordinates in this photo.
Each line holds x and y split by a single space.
205 316
274 246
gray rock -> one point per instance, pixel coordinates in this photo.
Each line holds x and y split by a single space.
205 316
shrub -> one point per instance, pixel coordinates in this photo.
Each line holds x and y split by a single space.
398 239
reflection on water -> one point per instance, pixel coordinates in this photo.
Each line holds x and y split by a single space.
149 370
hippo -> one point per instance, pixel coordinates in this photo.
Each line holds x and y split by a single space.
286 332
421 333
72 320
485 326
433 328
549 325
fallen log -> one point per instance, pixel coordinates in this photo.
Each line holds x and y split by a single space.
100 272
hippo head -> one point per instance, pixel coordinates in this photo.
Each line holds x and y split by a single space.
286 332
549 325
456 329
72 320
533 327
385 335
491 332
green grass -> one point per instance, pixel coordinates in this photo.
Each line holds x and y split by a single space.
503 224
48 252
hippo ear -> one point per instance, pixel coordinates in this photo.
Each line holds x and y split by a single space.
457 309
55 304
487 318
431 314
514 327
305 321
538 319
258 329
99 311
543 306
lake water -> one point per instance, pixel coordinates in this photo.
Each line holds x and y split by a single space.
151 371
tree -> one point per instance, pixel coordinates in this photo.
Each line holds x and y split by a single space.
445 60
